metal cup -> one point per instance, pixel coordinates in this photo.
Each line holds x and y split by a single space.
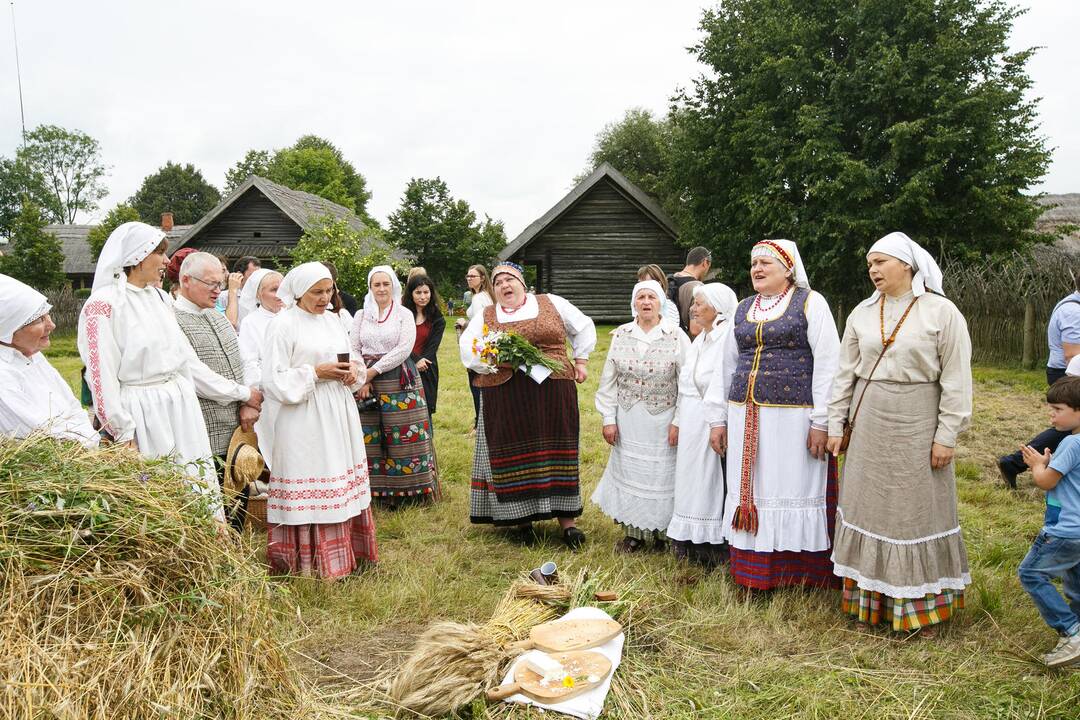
546 574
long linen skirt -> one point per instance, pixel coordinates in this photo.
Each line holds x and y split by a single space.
169 423
322 550
525 466
638 484
898 537
795 496
397 438
698 509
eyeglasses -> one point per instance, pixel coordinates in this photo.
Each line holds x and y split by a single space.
471 277
220 286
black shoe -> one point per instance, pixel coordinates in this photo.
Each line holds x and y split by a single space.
522 534
1008 475
573 538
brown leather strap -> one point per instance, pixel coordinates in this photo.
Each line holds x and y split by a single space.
888 344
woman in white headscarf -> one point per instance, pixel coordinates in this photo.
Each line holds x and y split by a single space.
397 426
636 398
319 508
697 522
259 303
780 358
140 367
898 545
33 396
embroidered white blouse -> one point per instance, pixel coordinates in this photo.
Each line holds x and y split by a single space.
638 341
392 338
33 397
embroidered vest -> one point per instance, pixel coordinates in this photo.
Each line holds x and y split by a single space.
652 378
776 364
545 331
215 343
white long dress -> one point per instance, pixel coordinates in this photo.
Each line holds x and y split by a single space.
638 484
698 515
144 376
320 473
789 484
34 398
253 332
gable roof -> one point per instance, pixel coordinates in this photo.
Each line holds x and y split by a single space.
78 260
632 192
301 207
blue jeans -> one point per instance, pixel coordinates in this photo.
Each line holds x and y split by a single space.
1048 558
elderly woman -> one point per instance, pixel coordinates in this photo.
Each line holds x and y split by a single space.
319 508
259 302
697 521
653 271
422 300
33 396
636 399
525 467
397 427
140 366
905 369
781 356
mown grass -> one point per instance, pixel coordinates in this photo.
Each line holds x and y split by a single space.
702 648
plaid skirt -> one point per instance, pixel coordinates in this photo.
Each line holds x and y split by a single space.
768 570
905 614
397 439
322 550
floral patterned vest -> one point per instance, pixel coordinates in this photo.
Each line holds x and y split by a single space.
545 331
776 364
652 378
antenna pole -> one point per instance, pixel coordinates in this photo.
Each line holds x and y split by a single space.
18 72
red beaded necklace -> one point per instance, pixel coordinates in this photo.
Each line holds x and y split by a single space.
511 311
759 308
388 311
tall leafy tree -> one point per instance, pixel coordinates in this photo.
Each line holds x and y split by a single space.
442 234
115 218
638 147
179 189
64 171
36 256
834 122
254 162
11 195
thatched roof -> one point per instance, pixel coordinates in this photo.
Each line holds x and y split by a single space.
1061 210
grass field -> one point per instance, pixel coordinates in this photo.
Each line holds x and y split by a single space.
700 647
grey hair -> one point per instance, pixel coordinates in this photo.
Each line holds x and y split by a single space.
197 263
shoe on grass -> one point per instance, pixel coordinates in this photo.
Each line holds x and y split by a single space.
1008 475
573 538
1067 652
629 545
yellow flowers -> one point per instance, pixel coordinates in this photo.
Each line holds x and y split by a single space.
568 681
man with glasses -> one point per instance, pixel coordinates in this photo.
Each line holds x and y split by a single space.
681 284
228 403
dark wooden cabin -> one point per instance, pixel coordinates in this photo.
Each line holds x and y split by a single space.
265 220
588 247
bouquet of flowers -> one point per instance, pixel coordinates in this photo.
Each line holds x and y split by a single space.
503 347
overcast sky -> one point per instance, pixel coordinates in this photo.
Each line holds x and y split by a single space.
501 100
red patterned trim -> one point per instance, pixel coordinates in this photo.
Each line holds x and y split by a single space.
94 311
780 252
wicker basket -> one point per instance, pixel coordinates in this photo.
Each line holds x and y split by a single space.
256 513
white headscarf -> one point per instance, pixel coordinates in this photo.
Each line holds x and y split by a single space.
299 280
371 305
653 286
787 253
249 294
927 276
722 299
128 245
20 305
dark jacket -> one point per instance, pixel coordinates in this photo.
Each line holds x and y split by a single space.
430 351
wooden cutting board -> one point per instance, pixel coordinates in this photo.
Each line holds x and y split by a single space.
580 665
566 635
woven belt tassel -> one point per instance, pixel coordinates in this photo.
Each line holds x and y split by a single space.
746 515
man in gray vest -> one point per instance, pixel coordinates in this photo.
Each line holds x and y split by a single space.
215 343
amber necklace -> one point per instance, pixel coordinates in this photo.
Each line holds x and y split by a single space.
886 342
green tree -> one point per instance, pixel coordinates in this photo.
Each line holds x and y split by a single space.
353 253
64 171
442 234
833 123
36 256
11 196
100 233
254 162
179 189
638 147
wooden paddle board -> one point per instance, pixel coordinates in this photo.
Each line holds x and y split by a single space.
566 635
587 669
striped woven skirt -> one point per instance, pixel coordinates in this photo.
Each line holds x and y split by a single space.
903 614
397 439
768 570
322 550
525 467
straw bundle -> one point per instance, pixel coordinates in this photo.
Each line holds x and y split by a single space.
121 600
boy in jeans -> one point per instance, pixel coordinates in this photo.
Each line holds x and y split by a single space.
1056 551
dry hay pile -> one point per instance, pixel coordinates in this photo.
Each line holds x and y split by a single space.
119 599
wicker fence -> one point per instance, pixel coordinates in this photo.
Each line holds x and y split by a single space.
65 308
